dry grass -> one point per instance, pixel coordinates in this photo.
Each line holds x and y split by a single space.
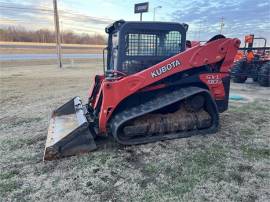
46 48
49 51
67 62
47 44
231 165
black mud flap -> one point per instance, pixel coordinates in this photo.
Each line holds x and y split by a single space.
68 132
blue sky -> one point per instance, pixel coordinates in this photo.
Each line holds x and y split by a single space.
241 17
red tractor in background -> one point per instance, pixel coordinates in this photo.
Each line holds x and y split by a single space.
252 62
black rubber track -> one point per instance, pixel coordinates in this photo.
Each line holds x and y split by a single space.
118 120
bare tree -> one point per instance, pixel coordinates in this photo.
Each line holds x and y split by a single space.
20 34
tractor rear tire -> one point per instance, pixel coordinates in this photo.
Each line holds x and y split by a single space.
264 75
237 72
255 79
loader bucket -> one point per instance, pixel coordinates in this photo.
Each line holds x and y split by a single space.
68 132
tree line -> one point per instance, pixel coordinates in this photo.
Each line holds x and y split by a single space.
19 34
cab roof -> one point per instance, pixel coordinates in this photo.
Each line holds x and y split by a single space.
118 24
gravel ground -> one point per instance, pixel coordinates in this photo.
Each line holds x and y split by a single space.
231 165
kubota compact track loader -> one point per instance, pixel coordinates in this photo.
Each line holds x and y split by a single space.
152 89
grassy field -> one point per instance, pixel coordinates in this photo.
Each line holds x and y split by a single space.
67 62
231 165
46 48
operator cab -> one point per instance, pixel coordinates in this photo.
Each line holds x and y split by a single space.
135 46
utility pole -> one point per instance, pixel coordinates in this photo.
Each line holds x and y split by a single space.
57 33
201 24
154 14
221 24
199 32
62 34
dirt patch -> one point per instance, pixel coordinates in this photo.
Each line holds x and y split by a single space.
231 165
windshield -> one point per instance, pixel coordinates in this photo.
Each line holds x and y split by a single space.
144 49
153 44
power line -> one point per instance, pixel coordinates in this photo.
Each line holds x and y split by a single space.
26 6
69 15
221 24
20 8
49 23
62 12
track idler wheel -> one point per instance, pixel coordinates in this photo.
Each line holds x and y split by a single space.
194 103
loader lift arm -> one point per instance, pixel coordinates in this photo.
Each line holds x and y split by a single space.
210 53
